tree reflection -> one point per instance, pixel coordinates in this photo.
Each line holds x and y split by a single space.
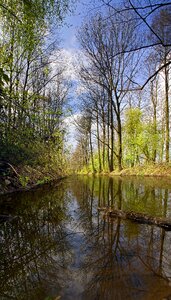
57 244
34 249
123 260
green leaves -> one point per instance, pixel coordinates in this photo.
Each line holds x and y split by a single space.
31 129
3 77
132 138
141 139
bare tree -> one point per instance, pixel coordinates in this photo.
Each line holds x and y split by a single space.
144 12
100 40
162 26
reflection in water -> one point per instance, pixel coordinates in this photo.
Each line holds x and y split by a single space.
33 245
55 243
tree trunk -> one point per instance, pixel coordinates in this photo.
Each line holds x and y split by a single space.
111 134
154 102
24 97
167 110
11 82
98 143
104 140
119 142
108 136
91 151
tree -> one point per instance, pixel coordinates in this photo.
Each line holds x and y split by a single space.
132 136
30 113
84 138
144 11
162 26
100 40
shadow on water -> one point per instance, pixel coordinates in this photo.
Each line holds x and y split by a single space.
55 245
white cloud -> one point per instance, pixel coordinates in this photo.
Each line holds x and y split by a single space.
67 59
71 130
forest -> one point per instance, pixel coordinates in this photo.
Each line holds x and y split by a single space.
85 91
125 78
122 118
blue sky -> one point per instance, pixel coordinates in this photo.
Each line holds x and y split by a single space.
70 46
72 23
83 9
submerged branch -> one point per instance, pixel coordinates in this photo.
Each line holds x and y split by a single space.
136 217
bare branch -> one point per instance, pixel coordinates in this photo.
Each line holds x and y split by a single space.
149 79
144 20
155 73
154 6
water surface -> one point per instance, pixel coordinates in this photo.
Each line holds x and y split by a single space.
54 244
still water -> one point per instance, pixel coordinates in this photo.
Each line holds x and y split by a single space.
54 244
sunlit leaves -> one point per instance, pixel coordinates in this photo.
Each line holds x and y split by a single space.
141 139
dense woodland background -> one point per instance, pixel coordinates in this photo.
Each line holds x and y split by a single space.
33 90
124 78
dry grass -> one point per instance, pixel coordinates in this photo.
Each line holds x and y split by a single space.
156 170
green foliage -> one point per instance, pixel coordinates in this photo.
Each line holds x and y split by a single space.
141 139
46 179
24 180
3 78
133 135
149 141
31 129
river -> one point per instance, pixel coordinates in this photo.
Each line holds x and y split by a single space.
55 244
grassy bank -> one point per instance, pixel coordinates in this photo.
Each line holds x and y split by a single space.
157 170
26 177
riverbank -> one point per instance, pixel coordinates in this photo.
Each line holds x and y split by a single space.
156 170
25 177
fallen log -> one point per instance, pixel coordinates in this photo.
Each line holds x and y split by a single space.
136 217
